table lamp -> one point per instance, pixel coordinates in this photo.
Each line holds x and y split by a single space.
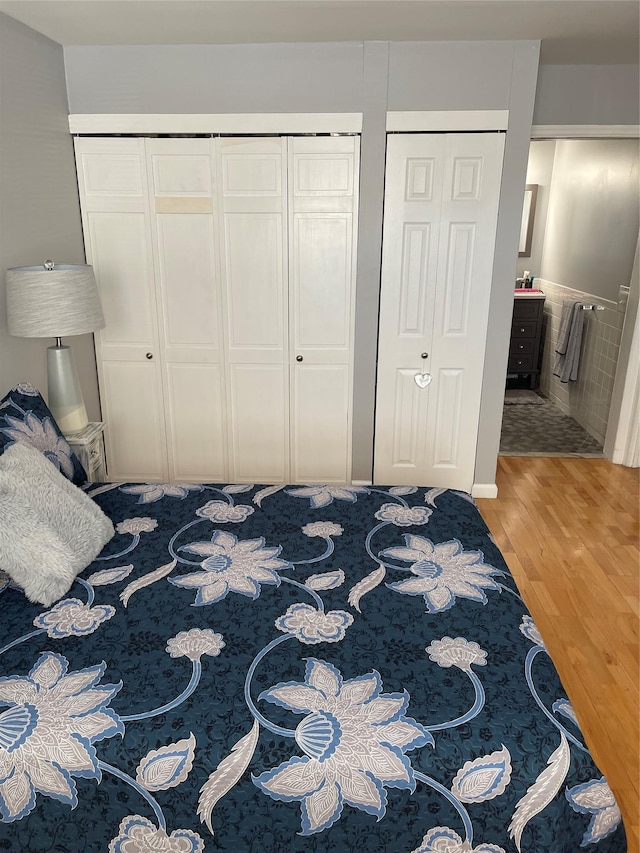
53 300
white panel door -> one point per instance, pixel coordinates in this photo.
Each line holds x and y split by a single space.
112 183
441 204
136 449
323 181
252 203
181 177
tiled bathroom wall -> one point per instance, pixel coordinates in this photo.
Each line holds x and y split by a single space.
588 399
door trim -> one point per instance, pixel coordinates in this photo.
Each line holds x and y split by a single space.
406 121
585 131
226 123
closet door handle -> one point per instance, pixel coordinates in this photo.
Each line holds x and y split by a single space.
298 358
149 355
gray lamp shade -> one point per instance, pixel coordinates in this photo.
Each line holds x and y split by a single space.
43 303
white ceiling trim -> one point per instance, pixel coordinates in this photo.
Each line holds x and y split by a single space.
234 123
585 131
446 120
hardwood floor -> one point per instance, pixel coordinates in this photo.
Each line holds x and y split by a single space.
568 529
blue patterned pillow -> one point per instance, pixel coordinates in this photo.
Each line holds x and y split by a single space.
25 417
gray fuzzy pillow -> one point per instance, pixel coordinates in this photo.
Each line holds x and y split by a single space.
50 529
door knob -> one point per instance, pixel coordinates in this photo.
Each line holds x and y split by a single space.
425 355
298 358
149 355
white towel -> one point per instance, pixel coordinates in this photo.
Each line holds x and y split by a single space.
569 342
49 529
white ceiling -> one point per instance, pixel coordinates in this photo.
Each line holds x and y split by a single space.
571 31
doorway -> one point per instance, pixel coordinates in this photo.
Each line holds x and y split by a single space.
583 235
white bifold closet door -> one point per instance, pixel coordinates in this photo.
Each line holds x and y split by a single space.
223 289
114 197
323 188
440 215
253 237
181 189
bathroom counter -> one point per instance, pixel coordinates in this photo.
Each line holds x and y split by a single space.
528 293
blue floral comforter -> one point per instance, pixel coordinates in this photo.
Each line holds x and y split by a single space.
264 669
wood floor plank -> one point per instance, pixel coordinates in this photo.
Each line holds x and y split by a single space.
569 531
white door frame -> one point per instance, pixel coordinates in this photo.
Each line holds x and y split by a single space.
621 441
624 411
217 123
585 131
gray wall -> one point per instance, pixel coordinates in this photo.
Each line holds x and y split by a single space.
593 217
588 94
39 208
521 97
352 77
254 78
451 75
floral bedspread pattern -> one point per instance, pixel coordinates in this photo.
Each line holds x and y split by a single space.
272 668
25 419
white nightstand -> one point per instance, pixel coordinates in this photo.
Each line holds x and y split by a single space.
88 445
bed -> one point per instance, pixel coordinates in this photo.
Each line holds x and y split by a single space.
290 668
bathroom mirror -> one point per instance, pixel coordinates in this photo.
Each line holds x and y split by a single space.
528 216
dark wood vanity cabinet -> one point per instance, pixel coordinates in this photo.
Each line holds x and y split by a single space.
526 334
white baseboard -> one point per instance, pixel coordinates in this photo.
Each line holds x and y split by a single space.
484 490
361 483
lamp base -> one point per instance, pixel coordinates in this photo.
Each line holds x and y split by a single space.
65 396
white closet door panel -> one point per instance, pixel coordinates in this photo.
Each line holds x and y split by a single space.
255 277
321 291
323 181
196 422
111 174
118 248
252 204
181 174
402 442
133 409
413 202
181 177
252 174
321 432
471 190
180 168
456 303
323 173
441 202
259 428
186 269
445 449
